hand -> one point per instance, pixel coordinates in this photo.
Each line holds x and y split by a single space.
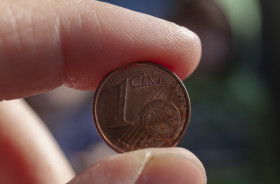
45 44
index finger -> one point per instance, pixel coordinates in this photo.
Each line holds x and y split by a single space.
44 44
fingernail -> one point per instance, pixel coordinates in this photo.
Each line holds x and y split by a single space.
172 165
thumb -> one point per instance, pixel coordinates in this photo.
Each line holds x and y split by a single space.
153 165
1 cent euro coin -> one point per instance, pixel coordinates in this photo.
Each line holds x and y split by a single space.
141 105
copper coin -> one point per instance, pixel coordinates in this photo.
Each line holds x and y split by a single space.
141 105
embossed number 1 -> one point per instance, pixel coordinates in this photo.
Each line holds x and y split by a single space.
122 102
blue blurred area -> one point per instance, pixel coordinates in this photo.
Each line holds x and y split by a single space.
235 101
159 8
75 130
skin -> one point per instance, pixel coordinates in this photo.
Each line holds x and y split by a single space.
45 44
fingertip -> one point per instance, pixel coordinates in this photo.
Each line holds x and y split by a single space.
81 41
153 165
115 36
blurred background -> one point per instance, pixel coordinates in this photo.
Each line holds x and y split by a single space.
234 92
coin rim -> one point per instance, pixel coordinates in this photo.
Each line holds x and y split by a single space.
188 112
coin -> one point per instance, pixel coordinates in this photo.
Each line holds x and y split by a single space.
141 105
